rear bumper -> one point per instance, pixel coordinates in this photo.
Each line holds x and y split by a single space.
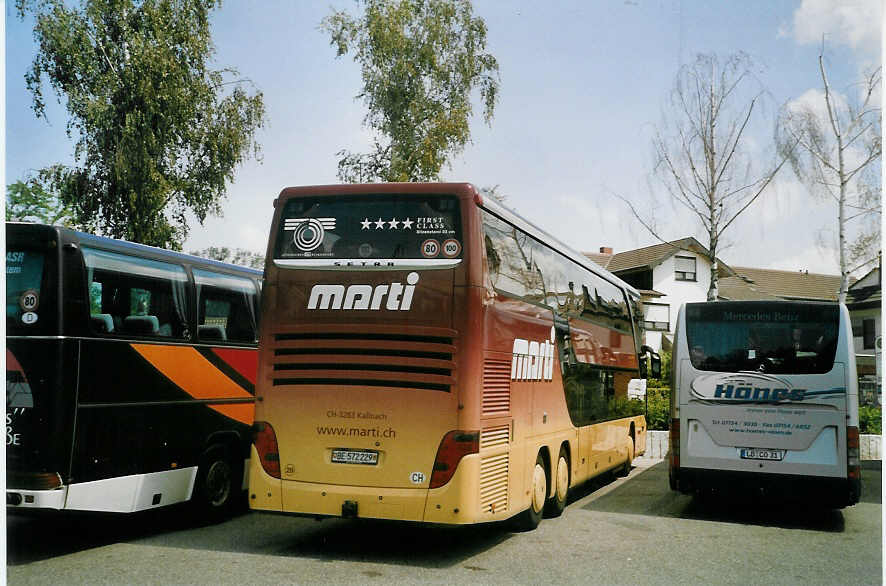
26 499
822 491
452 504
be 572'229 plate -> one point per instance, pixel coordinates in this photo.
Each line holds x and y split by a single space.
350 456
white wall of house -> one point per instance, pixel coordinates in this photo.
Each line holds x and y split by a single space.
858 317
677 292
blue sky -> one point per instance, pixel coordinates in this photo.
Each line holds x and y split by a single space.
583 86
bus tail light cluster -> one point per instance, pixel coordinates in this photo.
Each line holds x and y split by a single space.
852 452
674 439
265 441
455 446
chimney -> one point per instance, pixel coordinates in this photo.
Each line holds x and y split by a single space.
605 250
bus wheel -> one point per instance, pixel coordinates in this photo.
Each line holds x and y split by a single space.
561 487
531 517
216 486
626 468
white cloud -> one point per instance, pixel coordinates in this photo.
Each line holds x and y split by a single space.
856 23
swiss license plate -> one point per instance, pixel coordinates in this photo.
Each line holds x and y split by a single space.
761 454
348 456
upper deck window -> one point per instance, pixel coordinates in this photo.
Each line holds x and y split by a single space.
775 338
369 228
134 296
225 307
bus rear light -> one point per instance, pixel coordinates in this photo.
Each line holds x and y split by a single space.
455 446
674 443
852 452
265 441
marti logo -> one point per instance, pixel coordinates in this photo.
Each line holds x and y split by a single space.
399 298
533 360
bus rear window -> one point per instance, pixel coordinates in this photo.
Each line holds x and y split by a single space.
776 339
24 276
370 228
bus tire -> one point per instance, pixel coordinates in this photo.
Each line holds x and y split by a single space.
531 517
217 485
557 503
626 468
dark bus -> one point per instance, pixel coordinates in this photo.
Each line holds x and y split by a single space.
130 374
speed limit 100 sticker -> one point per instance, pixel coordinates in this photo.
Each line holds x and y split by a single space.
430 248
451 248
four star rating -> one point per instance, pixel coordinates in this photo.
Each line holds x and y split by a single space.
393 224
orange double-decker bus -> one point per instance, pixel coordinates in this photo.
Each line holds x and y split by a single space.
428 355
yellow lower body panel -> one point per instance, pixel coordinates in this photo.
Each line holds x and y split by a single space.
374 503
457 502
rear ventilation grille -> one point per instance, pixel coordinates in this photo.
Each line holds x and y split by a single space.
402 358
494 484
495 437
496 388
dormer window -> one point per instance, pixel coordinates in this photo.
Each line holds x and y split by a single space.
684 268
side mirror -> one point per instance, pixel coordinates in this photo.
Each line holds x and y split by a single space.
654 365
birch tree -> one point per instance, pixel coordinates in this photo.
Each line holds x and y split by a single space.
158 132
420 60
701 150
839 157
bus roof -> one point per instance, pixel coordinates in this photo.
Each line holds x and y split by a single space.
543 236
134 247
486 203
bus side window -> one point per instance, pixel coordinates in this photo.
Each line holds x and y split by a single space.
133 296
225 308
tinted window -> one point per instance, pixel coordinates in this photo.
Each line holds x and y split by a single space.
523 267
24 277
226 307
778 338
131 296
370 227
509 258
596 394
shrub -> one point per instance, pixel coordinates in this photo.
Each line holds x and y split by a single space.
658 414
870 419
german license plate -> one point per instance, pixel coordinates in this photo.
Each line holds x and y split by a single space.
761 454
348 456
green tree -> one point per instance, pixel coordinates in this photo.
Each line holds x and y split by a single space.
158 133
32 200
420 61
238 256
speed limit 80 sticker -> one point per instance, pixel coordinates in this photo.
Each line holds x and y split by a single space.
430 248
30 300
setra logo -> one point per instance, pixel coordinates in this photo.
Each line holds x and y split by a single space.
358 297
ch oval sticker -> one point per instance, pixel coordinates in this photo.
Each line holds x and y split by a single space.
417 478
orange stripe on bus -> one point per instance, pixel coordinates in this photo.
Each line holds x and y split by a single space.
198 377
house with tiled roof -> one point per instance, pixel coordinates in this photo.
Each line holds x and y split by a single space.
864 300
667 275
791 285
